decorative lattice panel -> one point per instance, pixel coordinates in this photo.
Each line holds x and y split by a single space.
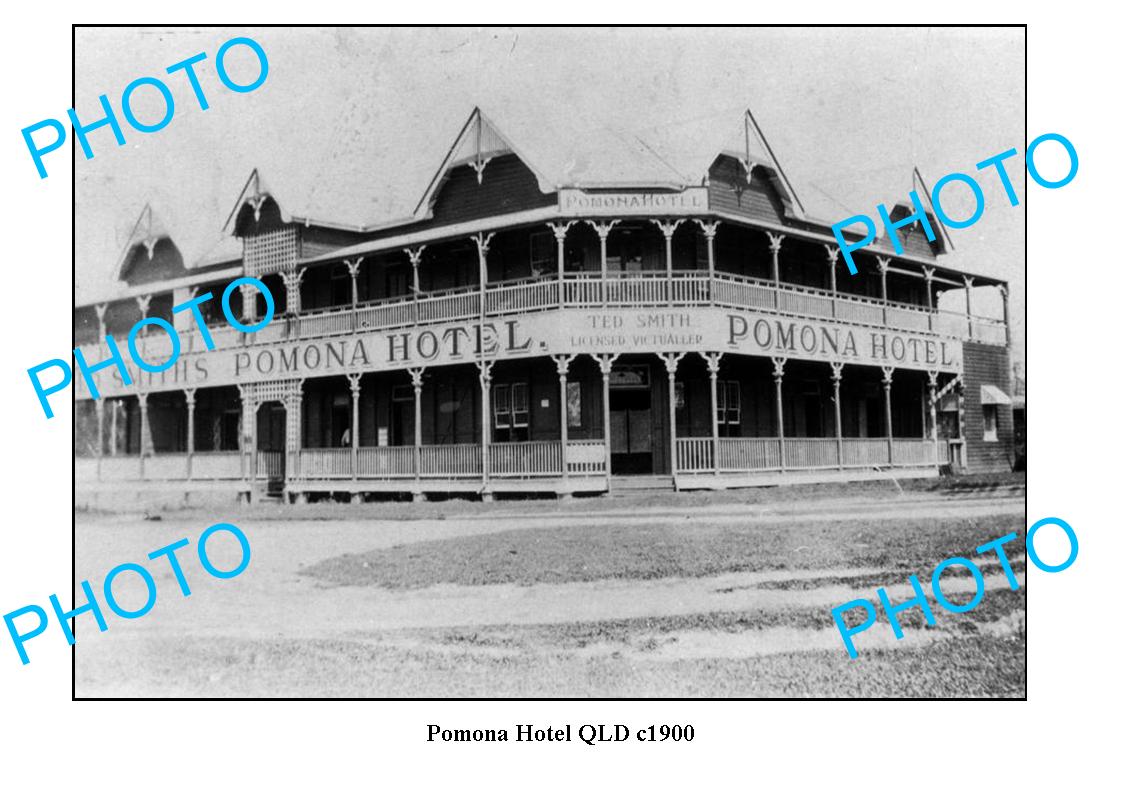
270 252
260 392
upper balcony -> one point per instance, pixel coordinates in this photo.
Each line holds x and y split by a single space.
590 291
635 265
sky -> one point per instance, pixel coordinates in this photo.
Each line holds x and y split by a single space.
358 119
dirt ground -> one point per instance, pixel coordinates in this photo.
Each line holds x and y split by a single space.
725 595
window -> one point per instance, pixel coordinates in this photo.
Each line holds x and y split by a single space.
728 407
573 404
990 423
511 410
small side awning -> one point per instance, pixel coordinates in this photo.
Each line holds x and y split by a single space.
993 395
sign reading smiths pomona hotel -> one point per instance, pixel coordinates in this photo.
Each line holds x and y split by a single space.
531 329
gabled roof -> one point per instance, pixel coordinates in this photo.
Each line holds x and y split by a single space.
254 193
148 230
756 152
478 142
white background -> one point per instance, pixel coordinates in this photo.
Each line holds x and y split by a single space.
1060 738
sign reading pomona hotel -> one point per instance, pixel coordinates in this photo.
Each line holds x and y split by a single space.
572 331
626 203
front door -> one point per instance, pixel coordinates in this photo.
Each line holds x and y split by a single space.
271 428
630 418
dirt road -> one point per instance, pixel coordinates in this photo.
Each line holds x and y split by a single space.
273 630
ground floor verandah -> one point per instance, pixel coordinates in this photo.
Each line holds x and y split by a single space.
525 426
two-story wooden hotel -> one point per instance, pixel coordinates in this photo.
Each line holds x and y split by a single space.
526 332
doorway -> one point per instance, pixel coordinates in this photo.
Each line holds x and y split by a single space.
270 454
629 403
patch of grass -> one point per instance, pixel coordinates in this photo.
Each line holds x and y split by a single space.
573 553
634 633
467 506
972 666
874 581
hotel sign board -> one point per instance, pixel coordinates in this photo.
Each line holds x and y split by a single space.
570 331
687 202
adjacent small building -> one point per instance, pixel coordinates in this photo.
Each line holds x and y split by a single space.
528 331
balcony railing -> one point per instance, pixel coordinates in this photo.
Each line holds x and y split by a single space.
584 290
200 466
515 460
750 454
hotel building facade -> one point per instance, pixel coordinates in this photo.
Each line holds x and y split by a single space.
522 332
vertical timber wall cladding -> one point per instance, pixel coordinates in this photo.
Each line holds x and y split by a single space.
986 364
507 186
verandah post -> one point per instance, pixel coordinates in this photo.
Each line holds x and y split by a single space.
353 381
605 361
933 431
485 425
562 361
836 380
832 263
559 235
353 270
415 377
887 384
671 361
778 377
713 365
189 394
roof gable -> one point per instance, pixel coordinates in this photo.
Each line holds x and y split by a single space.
146 235
255 198
478 143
